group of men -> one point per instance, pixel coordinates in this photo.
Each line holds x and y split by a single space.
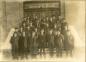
38 35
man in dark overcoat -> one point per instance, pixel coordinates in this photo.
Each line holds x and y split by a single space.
58 41
14 43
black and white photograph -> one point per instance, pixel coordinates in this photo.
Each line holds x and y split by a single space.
42 30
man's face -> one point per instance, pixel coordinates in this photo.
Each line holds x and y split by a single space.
54 17
51 31
24 19
21 29
16 30
23 24
28 27
15 35
42 32
58 32
68 33
47 25
47 18
36 17
65 27
24 34
33 34
28 17
55 32
31 24
51 19
35 29
55 26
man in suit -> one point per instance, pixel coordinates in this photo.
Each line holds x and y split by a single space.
42 41
68 43
21 43
51 42
14 43
58 41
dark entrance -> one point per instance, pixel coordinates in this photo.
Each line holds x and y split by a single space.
41 8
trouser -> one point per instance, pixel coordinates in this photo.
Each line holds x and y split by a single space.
14 53
58 52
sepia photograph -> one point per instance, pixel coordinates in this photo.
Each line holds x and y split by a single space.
42 30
